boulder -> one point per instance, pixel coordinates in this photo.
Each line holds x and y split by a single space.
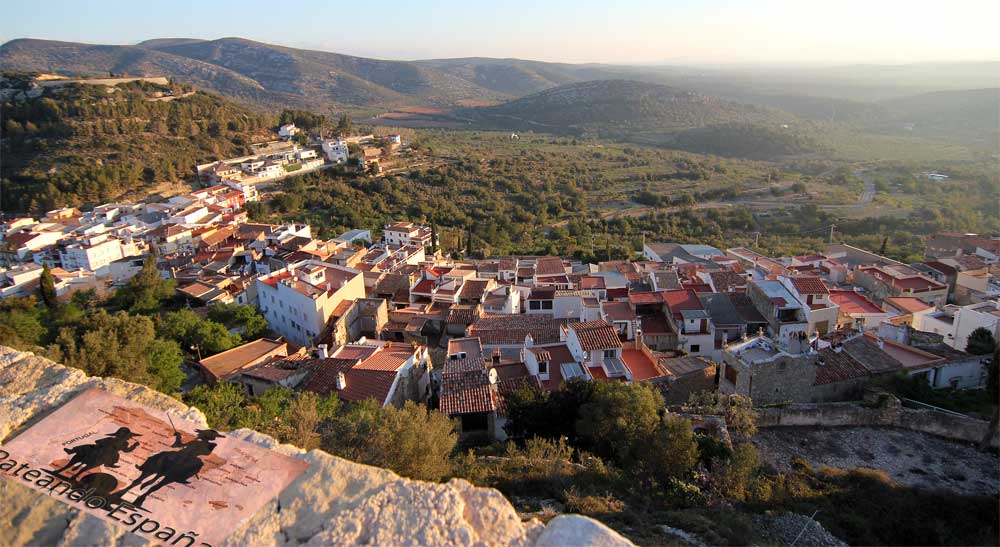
334 502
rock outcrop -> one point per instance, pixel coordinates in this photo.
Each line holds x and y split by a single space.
335 502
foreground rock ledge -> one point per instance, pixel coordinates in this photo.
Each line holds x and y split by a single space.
335 502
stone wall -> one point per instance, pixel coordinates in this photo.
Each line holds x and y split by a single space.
335 502
948 426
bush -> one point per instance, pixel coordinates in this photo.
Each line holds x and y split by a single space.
412 441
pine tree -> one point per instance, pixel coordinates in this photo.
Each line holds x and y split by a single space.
434 237
48 287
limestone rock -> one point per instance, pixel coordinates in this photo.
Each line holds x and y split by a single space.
334 502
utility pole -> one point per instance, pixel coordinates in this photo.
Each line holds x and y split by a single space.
831 232
756 238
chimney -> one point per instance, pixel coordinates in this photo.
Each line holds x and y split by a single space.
838 347
341 381
880 342
321 351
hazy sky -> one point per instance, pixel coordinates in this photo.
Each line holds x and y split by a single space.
823 31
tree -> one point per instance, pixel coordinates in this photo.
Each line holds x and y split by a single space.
165 358
120 345
344 125
20 323
413 441
48 287
734 479
981 342
190 330
146 290
617 418
668 451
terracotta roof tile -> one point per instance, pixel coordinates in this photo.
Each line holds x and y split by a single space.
596 335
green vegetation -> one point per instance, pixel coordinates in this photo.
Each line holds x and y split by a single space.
413 441
981 342
140 334
83 144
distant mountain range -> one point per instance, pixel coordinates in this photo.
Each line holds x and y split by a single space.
515 94
276 75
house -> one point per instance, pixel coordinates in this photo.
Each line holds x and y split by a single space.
299 299
857 311
758 265
336 151
822 312
388 372
729 324
21 280
91 253
785 315
597 346
288 131
686 375
956 323
906 310
227 364
884 281
758 368
404 234
474 391
676 253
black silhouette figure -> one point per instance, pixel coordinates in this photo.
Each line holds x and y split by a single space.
101 452
173 466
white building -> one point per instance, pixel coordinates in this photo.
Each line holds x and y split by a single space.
956 323
407 233
298 300
336 151
90 254
288 131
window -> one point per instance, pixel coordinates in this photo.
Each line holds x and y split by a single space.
695 348
543 368
534 305
609 354
546 304
571 370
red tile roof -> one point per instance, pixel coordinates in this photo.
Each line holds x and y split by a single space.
596 335
502 329
548 265
837 367
681 300
361 384
809 285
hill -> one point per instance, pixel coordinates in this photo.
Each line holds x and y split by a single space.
75 59
626 103
968 116
274 75
79 144
648 113
256 72
517 77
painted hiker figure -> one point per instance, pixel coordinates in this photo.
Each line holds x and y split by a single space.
176 466
102 452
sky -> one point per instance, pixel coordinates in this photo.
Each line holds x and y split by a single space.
607 31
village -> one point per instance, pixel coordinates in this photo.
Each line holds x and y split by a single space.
275 160
389 316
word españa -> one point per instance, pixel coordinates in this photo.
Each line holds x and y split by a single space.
122 512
